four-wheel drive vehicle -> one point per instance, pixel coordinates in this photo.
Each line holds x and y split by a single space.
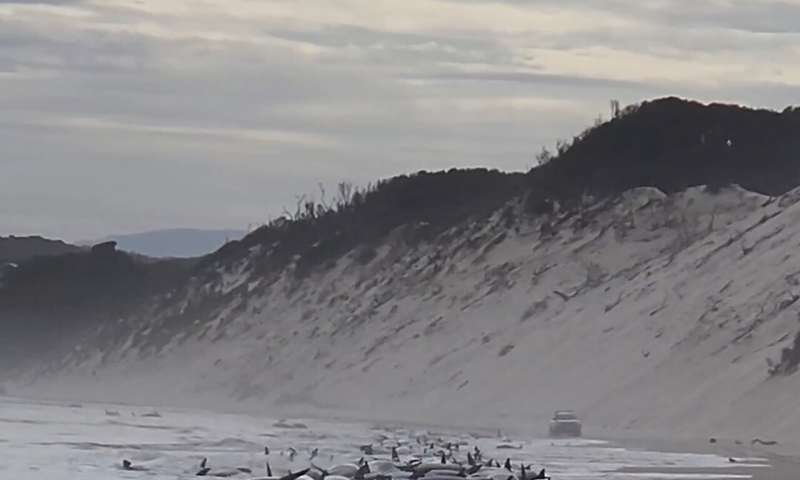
565 423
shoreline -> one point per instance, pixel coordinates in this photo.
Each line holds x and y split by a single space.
783 463
780 465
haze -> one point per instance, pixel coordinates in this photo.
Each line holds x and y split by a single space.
121 116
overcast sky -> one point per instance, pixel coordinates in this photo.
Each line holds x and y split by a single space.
121 116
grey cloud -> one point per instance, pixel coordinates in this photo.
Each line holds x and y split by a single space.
345 35
127 75
536 79
37 46
775 17
170 123
40 2
662 41
383 47
765 16
54 166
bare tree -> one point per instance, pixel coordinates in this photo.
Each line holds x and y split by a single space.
344 195
615 109
544 156
562 146
309 210
322 197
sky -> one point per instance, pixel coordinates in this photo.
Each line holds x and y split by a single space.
119 116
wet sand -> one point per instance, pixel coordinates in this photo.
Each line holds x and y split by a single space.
780 463
766 473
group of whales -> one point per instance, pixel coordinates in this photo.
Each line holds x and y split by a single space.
448 466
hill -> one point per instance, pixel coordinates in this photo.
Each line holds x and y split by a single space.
673 144
19 249
644 276
176 242
48 304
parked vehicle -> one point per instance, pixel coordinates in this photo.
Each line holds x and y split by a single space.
565 423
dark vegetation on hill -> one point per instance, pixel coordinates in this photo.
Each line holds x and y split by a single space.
667 143
49 298
19 249
430 202
672 144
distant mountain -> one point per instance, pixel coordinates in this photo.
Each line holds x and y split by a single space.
177 242
19 249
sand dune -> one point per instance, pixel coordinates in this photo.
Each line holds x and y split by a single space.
648 314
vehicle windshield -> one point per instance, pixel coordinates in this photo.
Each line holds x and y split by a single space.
565 416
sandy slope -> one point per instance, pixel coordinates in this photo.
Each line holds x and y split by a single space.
646 314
